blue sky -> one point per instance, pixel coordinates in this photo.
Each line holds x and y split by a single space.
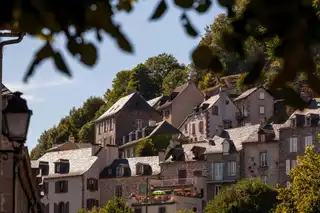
50 95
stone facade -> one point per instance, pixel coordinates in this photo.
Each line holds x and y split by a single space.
253 107
169 170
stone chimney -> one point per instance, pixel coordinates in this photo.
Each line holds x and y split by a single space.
161 155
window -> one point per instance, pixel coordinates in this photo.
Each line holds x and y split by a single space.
232 168
264 179
182 176
139 124
61 208
162 209
105 126
193 128
261 95
215 110
227 124
186 128
217 189
118 192
261 110
308 141
201 125
119 171
112 123
166 113
293 122
61 186
263 159
137 210
307 121
99 128
293 144
225 147
288 167
46 188
218 171
58 167
108 125
262 138
92 184
143 189
293 164
91 203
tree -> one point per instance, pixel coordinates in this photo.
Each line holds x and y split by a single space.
304 192
117 205
145 148
244 196
86 133
174 79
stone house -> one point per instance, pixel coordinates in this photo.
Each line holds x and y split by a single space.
70 177
298 132
179 103
19 191
255 104
129 113
160 133
204 120
127 177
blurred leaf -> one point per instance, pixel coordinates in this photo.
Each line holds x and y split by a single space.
187 26
203 6
89 54
159 11
124 5
292 98
123 43
186 4
202 57
255 71
43 53
60 64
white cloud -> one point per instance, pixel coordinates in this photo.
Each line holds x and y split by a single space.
36 85
33 99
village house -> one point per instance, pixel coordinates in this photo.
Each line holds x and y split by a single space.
298 132
160 133
128 114
255 104
69 176
179 103
206 117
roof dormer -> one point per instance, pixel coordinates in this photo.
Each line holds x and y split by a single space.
143 169
120 170
44 167
62 166
307 120
198 152
226 147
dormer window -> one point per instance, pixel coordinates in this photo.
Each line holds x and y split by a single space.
62 166
307 120
293 122
143 169
262 138
120 171
225 147
44 167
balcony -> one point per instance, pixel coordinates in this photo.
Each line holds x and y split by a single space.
172 182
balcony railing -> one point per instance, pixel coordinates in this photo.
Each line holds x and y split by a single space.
174 182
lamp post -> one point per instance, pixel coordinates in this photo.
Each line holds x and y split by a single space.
16 120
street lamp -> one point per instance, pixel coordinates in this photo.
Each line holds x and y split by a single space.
16 117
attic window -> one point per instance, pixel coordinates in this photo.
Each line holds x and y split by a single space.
307 120
120 171
225 147
62 166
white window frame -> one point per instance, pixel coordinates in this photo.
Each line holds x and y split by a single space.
261 96
308 141
119 171
307 120
218 171
288 166
264 159
264 179
262 138
293 144
217 189
232 168
139 124
261 110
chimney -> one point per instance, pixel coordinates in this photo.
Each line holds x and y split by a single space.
71 139
161 155
219 130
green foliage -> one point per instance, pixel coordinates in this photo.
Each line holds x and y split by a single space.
174 78
145 148
116 205
244 197
304 192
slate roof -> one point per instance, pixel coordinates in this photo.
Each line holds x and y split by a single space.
154 101
299 112
5 90
80 161
246 93
177 90
78 146
162 127
117 106
130 171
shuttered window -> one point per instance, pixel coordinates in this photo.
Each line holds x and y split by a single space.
92 184
62 207
61 186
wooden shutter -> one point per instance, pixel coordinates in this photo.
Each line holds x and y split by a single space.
56 209
66 207
57 187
